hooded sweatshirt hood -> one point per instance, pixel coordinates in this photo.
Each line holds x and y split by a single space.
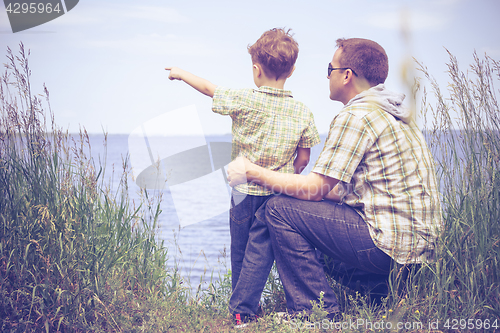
388 101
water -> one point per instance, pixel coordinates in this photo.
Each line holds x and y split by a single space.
201 249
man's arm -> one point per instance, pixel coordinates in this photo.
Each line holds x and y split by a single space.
301 159
313 186
334 194
204 86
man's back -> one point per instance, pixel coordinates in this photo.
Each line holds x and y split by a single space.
387 175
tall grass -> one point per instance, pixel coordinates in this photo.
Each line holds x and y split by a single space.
72 252
464 281
75 256
460 289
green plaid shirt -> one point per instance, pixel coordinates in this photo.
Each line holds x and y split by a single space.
387 174
268 126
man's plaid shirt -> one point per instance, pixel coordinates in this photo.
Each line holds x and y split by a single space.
387 174
268 126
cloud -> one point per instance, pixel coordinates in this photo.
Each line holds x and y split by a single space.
447 3
159 44
168 44
417 15
489 51
414 19
4 21
122 14
154 13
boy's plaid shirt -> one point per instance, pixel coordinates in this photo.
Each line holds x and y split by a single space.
387 174
268 126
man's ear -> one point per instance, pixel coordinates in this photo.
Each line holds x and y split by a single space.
348 76
291 72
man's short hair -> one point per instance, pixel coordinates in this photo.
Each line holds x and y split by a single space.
276 51
365 57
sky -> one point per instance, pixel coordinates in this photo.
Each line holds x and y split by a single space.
103 62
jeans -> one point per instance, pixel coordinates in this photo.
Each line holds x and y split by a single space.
300 229
251 253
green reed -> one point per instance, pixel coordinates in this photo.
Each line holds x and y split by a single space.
73 253
76 256
464 280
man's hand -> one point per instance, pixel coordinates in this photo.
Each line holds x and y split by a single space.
313 186
175 73
236 171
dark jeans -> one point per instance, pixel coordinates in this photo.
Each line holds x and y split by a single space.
251 253
299 229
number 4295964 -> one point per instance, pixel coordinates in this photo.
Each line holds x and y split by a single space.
471 324
32 8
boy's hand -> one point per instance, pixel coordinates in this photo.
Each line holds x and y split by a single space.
202 85
175 73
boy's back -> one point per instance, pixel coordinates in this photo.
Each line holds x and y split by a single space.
268 126
271 129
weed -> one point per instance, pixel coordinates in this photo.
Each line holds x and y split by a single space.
76 256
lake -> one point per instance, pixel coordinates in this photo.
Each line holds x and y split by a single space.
198 245
200 248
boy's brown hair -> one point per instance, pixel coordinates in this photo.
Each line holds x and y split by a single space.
276 51
365 57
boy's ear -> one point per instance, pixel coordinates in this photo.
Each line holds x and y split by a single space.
258 69
291 72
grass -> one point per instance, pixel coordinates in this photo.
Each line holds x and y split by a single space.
75 256
69 246
465 278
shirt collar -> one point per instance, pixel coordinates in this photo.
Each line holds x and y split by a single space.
275 91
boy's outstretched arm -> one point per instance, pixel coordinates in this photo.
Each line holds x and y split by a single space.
204 86
301 159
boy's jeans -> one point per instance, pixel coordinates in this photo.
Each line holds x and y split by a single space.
300 229
251 253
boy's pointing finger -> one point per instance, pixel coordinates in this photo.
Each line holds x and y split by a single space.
174 75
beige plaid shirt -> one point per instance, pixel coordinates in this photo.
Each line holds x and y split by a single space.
268 126
387 174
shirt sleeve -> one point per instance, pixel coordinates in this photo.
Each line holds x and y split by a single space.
226 101
344 149
310 136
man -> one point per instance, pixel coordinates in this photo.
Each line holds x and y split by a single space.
384 206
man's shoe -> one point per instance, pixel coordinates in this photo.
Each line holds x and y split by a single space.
285 317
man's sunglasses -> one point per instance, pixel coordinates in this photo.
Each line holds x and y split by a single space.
330 69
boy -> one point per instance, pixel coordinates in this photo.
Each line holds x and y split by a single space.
272 130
